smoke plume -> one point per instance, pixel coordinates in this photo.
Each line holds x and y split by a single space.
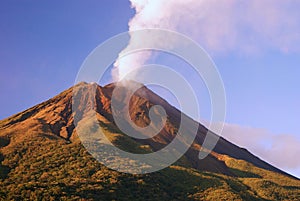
219 26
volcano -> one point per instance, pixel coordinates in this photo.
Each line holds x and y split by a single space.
42 156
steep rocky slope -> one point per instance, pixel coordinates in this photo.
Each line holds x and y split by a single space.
42 157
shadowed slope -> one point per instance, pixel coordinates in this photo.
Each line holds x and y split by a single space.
55 117
41 155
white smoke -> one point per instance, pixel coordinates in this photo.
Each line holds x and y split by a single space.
220 26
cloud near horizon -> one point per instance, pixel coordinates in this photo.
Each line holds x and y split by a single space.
220 26
281 150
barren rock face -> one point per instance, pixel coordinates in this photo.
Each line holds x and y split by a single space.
42 157
55 117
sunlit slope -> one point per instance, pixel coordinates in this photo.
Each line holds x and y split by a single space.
42 158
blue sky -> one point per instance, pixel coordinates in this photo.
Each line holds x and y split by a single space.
43 44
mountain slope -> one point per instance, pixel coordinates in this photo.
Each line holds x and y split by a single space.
42 156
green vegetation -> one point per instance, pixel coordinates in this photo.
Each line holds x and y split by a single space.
45 169
41 158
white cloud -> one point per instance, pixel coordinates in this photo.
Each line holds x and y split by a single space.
281 150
